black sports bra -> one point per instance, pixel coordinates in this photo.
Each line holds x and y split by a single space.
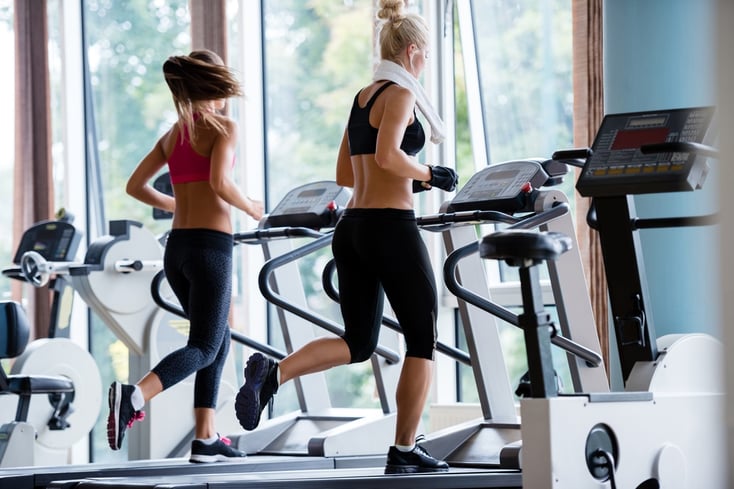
363 137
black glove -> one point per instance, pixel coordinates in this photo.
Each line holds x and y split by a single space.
441 176
444 178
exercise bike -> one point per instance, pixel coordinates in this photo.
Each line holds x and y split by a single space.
54 367
664 429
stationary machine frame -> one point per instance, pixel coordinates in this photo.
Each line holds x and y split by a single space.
53 381
515 194
114 281
664 430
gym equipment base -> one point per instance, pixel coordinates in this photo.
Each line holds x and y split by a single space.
261 471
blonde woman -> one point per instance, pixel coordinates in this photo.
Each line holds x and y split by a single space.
377 246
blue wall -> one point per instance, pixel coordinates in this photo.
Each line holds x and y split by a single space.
661 54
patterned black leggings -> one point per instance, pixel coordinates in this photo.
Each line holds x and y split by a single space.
198 265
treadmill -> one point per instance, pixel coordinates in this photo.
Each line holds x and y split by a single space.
302 471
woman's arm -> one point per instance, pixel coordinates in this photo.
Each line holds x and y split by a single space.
344 170
399 107
222 184
138 186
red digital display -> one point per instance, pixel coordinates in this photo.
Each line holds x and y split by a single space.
631 139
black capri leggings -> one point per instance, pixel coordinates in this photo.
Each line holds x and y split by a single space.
198 265
376 249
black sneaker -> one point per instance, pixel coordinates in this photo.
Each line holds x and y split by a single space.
261 384
122 414
219 451
416 460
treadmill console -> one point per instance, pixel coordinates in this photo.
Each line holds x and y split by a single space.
313 205
163 184
618 166
501 187
53 240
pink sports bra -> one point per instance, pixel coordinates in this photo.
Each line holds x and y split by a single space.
186 165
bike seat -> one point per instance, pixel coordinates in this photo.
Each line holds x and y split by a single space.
524 248
14 333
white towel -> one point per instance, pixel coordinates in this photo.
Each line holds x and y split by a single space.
387 70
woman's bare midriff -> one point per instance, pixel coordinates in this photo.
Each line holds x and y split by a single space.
197 206
377 188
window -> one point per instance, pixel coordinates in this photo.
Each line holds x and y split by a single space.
317 55
7 140
513 90
126 44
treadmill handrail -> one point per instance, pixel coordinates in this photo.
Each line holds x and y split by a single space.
575 156
591 357
637 223
332 292
672 222
680 147
238 337
443 221
258 236
273 297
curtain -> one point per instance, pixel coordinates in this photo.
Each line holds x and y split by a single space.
588 112
33 178
208 26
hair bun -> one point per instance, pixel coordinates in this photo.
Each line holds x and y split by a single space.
391 9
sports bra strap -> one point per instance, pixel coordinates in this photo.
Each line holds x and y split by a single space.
377 93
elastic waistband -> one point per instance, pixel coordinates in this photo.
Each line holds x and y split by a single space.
210 238
402 214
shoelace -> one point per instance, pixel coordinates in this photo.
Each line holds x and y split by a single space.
418 440
225 440
137 416
421 450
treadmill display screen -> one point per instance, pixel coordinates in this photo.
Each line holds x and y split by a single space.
53 240
312 193
630 156
633 139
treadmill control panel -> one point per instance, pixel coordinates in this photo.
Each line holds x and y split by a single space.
163 184
53 240
500 187
619 167
313 205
